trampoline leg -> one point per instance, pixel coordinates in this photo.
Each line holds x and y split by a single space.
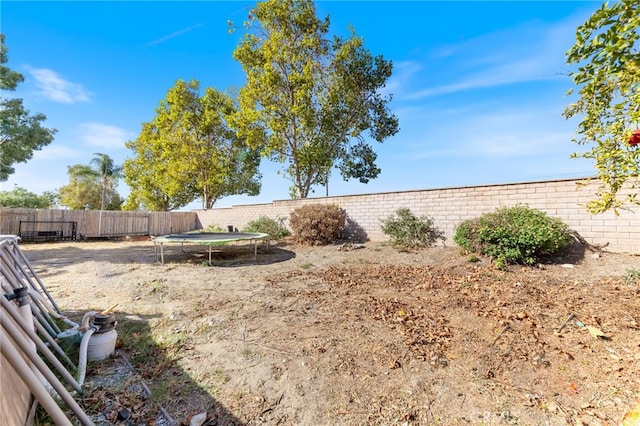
209 255
161 254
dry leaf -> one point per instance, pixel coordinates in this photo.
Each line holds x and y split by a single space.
595 333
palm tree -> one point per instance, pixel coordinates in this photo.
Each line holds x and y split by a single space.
104 167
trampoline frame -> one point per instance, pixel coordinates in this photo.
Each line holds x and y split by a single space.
200 238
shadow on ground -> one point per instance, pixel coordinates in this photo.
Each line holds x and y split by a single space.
227 256
573 253
142 382
147 253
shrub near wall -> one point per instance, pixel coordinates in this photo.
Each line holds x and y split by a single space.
406 230
449 206
266 225
513 235
317 224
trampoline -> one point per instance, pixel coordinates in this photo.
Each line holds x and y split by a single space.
208 239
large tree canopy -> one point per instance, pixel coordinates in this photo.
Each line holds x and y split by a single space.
20 133
309 99
608 82
189 152
22 198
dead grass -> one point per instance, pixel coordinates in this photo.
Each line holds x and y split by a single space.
333 335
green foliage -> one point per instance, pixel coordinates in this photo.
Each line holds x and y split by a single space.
266 225
94 187
317 224
472 258
516 234
632 276
20 132
109 173
213 228
309 97
407 231
21 198
188 152
608 80
131 204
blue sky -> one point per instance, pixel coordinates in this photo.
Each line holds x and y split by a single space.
478 87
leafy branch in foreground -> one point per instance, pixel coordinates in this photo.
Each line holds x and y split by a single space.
608 83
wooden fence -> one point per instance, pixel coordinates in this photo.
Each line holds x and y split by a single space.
51 223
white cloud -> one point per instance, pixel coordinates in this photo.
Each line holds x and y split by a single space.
531 52
104 135
174 34
479 131
55 151
53 87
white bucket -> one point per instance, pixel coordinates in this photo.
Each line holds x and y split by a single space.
102 345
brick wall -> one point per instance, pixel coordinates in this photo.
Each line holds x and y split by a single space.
449 206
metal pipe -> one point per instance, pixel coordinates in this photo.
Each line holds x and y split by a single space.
18 253
38 297
20 366
7 288
21 296
46 324
17 319
11 265
9 271
51 378
56 347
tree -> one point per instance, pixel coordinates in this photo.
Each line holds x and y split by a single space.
108 172
309 99
21 198
88 188
20 132
608 83
188 152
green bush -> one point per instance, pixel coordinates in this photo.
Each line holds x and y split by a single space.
214 228
408 231
516 234
317 224
266 225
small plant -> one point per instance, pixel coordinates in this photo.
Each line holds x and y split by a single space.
472 258
218 375
247 353
213 228
407 231
632 276
158 286
266 225
516 234
317 224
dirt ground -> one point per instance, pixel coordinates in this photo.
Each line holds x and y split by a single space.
359 335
